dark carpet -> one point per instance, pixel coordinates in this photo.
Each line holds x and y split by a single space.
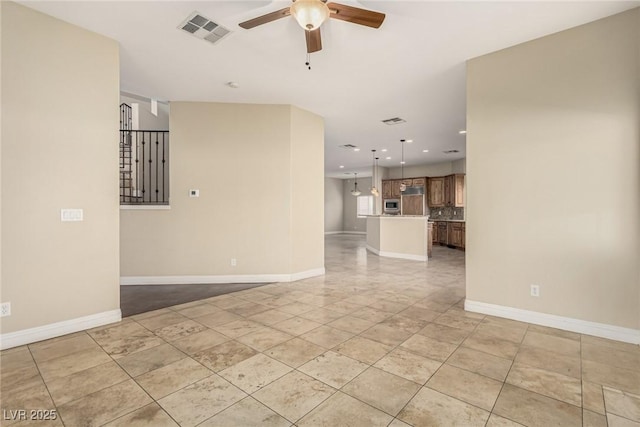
140 299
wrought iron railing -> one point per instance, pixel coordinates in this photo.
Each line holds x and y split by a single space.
125 117
144 167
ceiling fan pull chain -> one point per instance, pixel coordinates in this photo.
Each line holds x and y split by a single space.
308 63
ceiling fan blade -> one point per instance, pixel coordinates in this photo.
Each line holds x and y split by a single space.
356 15
314 40
265 18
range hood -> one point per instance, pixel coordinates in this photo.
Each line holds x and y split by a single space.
413 191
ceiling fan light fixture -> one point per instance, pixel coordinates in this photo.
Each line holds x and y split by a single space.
310 14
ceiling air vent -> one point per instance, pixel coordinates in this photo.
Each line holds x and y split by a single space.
203 28
394 121
451 151
347 146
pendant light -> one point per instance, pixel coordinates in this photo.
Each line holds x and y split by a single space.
355 191
403 186
374 175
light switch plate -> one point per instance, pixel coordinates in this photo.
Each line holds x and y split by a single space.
5 309
71 215
194 193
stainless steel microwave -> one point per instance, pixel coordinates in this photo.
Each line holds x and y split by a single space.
391 205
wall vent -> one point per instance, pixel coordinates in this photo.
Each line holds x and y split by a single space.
451 151
394 121
203 28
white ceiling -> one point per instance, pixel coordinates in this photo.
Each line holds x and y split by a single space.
413 67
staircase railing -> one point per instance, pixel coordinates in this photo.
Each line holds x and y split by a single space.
144 167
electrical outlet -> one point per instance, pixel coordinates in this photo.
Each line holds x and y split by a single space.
234 262
5 309
535 290
194 193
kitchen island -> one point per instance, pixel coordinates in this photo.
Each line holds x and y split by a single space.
399 236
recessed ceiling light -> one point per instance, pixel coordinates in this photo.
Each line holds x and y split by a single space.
388 158
356 149
384 150
233 85
425 151
402 163
409 141
462 132
341 166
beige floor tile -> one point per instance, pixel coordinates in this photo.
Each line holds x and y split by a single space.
172 377
363 349
530 408
238 328
163 320
296 325
389 306
294 395
105 405
455 321
427 347
612 376
80 384
592 397
616 421
326 337
264 338
333 368
52 349
514 335
626 405
148 360
247 412
467 386
591 419
180 330
405 323
150 415
224 355
491 345
408 365
341 410
371 314
199 310
551 384
433 305
555 332
270 317
295 352
72 363
252 374
296 308
202 400
397 423
385 335
481 363
444 333
185 305
611 356
226 301
552 343
617 345
148 314
199 341
420 313
431 408
248 309
321 315
498 421
218 318
343 307
549 360
18 370
118 330
382 390
26 398
351 324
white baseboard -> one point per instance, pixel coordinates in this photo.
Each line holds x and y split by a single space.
213 280
326 233
396 254
354 232
602 330
53 330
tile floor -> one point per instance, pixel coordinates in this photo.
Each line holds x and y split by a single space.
375 342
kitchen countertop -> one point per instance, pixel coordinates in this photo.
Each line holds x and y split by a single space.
446 220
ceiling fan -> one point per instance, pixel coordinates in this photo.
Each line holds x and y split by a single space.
310 14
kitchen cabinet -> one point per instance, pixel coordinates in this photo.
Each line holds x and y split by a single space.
442 232
456 234
434 233
436 192
454 190
418 182
413 205
387 189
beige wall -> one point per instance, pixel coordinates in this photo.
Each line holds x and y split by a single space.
60 119
333 204
259 185
146 120
553 167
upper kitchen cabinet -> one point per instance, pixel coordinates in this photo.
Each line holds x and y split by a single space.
436 192
387 189
454 190
418 182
